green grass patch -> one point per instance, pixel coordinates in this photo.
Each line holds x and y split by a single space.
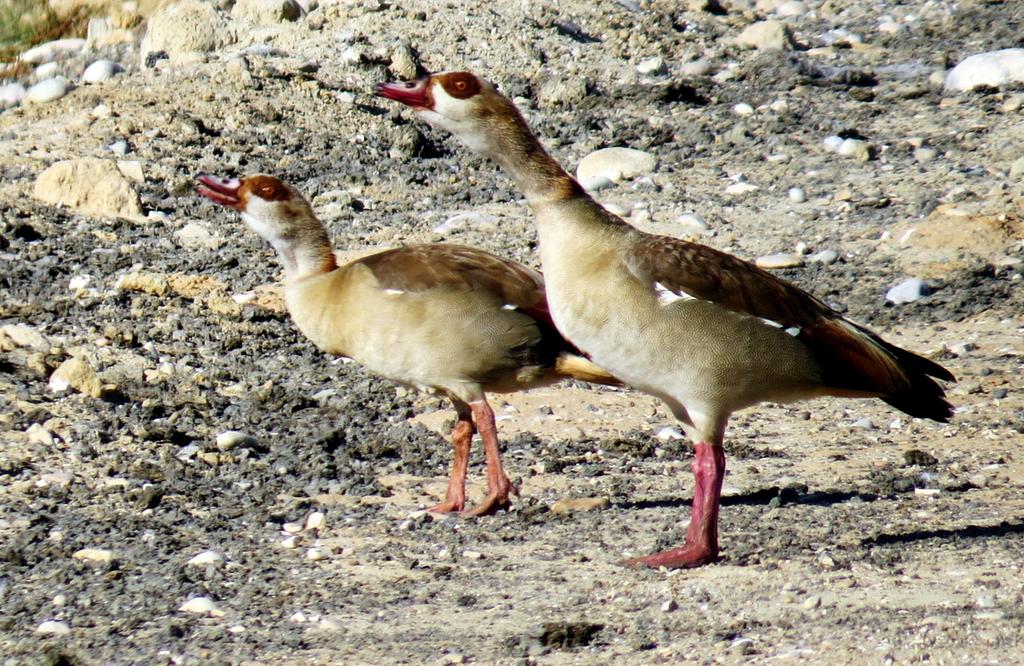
25 23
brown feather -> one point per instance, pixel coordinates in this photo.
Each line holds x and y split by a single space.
851 357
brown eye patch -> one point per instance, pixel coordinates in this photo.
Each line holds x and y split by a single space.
267 188
460 85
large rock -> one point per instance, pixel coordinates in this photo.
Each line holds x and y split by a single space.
264 12
90 186
956 237
766 36
992 68
614 165
185 27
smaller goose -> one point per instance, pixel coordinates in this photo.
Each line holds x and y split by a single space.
454 318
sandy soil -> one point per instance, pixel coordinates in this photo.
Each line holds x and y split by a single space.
851 533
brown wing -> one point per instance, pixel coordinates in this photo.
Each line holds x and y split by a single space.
458 267
851 356
424 267
711 275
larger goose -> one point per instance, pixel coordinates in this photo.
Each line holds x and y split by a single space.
454 318
706 332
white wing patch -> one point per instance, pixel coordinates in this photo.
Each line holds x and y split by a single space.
792 330
393 292
666 296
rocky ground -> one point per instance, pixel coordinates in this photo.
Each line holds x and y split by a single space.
139 324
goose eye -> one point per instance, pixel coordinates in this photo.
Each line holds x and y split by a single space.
460 86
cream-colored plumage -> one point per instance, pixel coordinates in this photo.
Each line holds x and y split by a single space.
702 330
453 318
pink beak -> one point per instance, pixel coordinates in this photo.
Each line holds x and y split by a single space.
411 93
219 190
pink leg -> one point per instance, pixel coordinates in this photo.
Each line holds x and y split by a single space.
701 545
462 437
498 485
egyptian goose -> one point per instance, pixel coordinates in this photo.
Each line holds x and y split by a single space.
706 332
454 318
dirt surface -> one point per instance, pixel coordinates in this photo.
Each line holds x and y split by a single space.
851 533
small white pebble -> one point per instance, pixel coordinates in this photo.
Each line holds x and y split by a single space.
298 617
472 555
12 94
854 148
101 111
346 97
200 606
812 602
94 555
290 542
779 260
669 433
694 225
316 554
826 257
230 439
204 558
863 424
53 628
743 109
651 66
741 188
292 528
101 70
797 195
316 520
696 68
832 143
907 291
669 606
60 600
47 91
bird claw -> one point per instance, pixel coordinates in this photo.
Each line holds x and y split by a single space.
686 557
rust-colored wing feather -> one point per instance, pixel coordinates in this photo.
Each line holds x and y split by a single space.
459 267
851 356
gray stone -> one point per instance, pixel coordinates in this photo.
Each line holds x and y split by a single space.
766 36
182 27
195 236
824 257
90 186
266 12
48 90
615 164
907 291
101 70
992 68
76 373
53 628
51 51
651 66
779 260
12 94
